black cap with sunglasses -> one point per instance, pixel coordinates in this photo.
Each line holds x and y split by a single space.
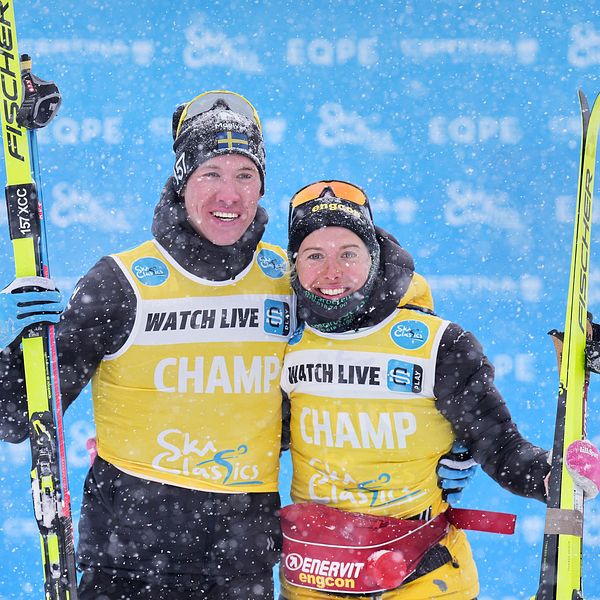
334 203
331 203
214 123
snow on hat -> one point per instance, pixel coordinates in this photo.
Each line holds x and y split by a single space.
215 123
331 204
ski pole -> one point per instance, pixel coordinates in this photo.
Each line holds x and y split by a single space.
41 100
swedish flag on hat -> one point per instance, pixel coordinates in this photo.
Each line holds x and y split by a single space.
215 123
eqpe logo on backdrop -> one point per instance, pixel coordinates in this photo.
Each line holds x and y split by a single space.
208 48
326 52
473 130
584 49
68 131
520 366
339 127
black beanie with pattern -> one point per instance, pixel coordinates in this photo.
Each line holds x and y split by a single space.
217 131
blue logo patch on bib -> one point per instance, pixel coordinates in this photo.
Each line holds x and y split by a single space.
403 376
297 335
277 317
271 264
150 271
409 335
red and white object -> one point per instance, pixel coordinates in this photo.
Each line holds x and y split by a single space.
332 550
583 464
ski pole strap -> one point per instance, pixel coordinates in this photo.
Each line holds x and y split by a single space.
564 522
41 99
482 520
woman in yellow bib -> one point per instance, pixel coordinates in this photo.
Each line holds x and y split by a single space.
379 389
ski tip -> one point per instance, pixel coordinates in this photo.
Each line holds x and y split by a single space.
585 107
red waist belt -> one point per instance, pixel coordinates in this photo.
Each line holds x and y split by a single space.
332 550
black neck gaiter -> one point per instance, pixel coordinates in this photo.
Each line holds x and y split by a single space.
374 302
338 314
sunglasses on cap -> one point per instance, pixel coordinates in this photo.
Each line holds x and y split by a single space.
206 101
339 189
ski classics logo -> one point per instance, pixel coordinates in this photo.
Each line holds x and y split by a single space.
150 271
410 335
277 317
184 457
211 48
469 206
233 473
331 484
71 206
271 264
339 128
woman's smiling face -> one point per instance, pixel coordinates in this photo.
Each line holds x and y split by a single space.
332 262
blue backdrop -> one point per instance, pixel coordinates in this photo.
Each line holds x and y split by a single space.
459 119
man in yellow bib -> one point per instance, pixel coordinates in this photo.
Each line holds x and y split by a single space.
183 339
380 388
